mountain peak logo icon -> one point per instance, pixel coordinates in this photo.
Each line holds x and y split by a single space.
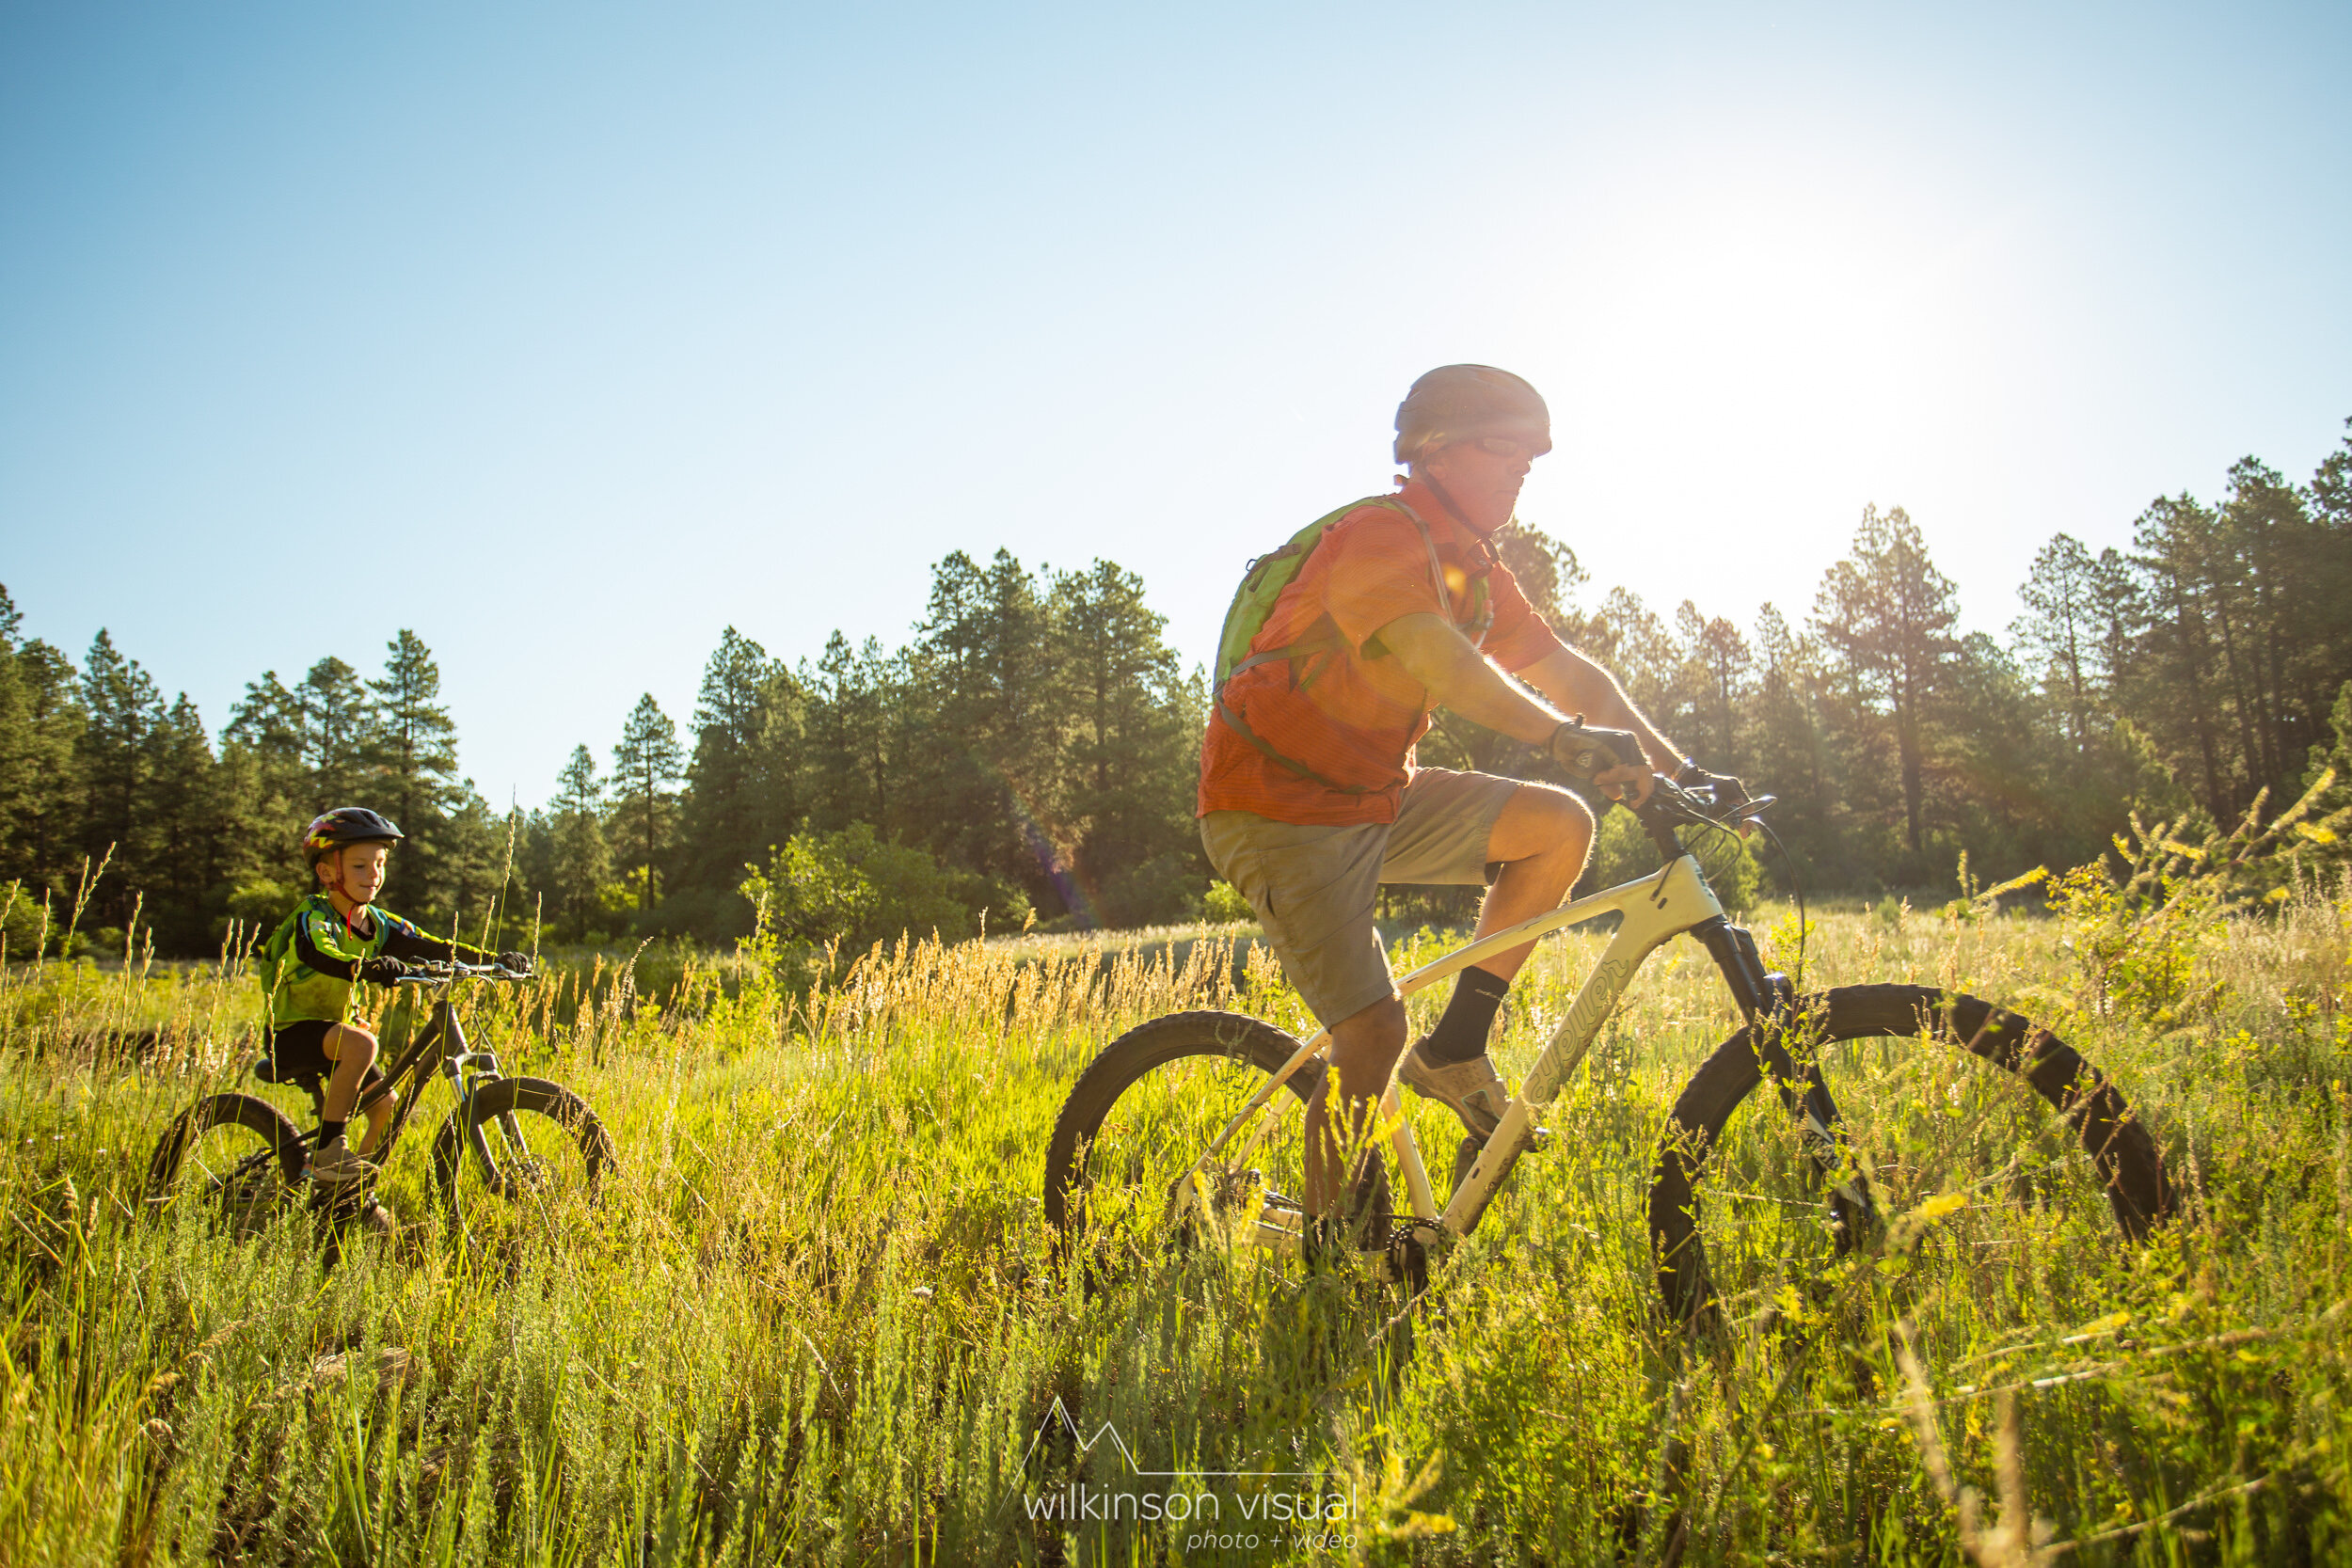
1059 1415
1172 1495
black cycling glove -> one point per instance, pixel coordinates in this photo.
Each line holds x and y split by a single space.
1725 790
381 970
1583 750
517 961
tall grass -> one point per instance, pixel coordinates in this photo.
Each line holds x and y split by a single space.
814 1317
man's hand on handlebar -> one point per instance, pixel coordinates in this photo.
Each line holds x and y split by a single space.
1725 793
1610 760
1630 785
518 962
382 971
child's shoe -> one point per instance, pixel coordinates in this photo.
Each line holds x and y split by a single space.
334 1165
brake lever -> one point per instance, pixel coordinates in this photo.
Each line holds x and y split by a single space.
1749 810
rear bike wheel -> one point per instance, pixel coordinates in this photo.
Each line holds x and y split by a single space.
1147 1109
2129 1166
234 1154
532 1145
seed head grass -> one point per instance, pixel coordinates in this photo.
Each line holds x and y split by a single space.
814 1313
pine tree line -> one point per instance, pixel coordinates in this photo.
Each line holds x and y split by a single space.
1031 749
111 795
2205 664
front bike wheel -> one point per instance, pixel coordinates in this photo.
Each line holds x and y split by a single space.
535 1145
235 1155
1145 1112
2128 1166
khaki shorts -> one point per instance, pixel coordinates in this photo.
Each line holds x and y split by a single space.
1314 889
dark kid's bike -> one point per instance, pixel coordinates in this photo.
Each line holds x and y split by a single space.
527 1140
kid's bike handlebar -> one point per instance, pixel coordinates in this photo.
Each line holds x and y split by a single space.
443 973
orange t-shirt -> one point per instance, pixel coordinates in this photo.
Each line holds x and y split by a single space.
1353 718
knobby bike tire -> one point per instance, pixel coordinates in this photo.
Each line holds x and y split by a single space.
462 1134
1130 1058
289 1149
2129 1164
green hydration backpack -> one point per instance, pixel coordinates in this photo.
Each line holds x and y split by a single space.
1264 582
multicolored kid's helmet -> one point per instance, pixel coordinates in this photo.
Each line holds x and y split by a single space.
344 825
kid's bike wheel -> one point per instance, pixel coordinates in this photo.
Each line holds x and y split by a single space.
2129 1167
233 1153
1148 1107
533 1144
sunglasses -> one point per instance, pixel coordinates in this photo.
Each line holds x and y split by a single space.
1503 446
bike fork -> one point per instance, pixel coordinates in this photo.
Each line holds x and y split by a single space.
1768 1000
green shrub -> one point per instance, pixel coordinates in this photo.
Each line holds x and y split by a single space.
857 888
1226 905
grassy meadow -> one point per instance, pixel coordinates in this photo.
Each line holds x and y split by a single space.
814 1319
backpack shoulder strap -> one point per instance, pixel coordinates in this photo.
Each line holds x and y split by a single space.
1263 583
1479 622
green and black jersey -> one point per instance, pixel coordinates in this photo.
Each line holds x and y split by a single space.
311 962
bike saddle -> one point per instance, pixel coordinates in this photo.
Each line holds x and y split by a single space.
265 1069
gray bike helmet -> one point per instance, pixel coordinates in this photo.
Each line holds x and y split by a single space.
1461 403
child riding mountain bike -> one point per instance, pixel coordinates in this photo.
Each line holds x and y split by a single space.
334 938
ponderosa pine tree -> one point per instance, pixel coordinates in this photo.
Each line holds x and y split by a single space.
1888 615
984 731
123 708
185 832
581 861
41 782
414 741
339 726
1132 745
743 780
1716 659
2176 678
851 726
648 767
2058 630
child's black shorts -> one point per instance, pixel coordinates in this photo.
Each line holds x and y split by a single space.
298 1054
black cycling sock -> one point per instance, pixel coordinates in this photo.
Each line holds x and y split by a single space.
1461 1034
330 1131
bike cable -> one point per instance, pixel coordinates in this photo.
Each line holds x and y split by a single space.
1796 882
1796 886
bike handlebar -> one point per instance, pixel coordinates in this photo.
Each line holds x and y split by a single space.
437 974
1670 805
1667 799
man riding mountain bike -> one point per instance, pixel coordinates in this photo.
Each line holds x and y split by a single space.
1310 795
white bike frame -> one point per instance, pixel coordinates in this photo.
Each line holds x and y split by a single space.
1657 909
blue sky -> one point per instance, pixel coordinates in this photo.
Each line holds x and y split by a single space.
569 336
